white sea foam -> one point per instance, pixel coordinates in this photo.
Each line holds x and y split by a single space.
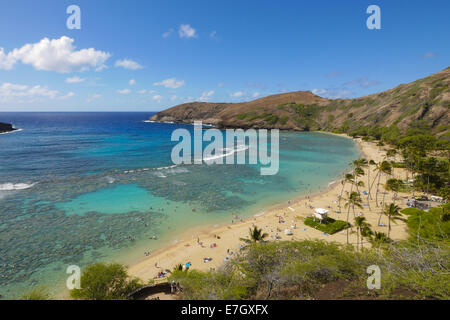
16 130
159 174
15 186
164 168
110 179
152 121
227 153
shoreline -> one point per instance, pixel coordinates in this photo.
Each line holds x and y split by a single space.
194 245
14 130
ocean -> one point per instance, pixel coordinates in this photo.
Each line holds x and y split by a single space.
77 188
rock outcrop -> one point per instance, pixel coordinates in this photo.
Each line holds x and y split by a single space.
6 127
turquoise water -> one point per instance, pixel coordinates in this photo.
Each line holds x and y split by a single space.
82 187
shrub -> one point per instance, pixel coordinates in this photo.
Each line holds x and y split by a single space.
101 281
40 293
432 225
213 285
328 225
284 119
299 269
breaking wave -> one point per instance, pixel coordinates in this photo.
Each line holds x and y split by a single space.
15 186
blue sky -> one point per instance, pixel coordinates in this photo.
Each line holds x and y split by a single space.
150 55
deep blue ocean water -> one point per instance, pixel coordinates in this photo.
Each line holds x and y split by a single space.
82 187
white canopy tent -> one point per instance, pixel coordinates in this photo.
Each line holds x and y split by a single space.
320 213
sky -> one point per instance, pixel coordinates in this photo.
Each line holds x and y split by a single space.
138 55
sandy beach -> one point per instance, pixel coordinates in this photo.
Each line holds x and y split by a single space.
221 242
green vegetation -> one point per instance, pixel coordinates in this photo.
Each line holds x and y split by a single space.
39 293
101 281
255 235
327 225
267 117
284 119
300 269
392 212
433 225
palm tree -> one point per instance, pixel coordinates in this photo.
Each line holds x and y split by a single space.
362 227
354 199
394 185
391 153
379 238
358 171
383 167
348 178
392 211
371 162
366 232
256 235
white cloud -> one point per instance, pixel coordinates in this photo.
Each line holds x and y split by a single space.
75 79
319 92
58 55
186 31
7 61
132 82
237 94
171 83
93 97
128 64
144 91
206 95
363 82
69 95
428 55
173 98
220 85
167 33
157 98
332 93
124 91
101 68
24 93
256 94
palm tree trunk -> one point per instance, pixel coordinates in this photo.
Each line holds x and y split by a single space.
356 181
389 226
340 197
368 185
348 214
357 239
374 179
378 187
362 239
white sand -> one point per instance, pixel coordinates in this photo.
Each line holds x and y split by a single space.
187 249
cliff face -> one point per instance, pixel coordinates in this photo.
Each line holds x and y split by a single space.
427 99
6 127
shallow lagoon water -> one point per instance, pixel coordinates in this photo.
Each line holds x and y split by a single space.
82 187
